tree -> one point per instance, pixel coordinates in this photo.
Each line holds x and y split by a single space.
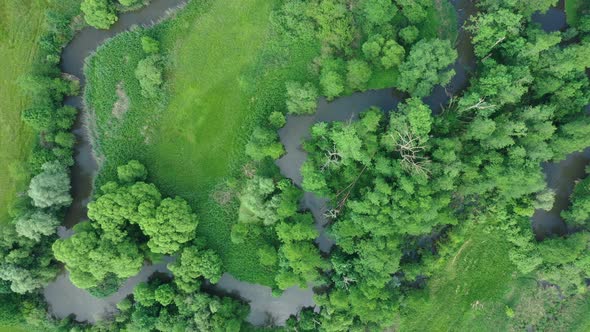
65 139
426 66
90 257
36 224
131 172
359 74
277 120
194 264
51 188
332 84
378 12
264 142
39 118
149 75
409 34
393 54
301 98
164 294
173 224
99 13
492 29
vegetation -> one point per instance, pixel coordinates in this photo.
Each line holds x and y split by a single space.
429 213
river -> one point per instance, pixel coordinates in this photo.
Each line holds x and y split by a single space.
65 299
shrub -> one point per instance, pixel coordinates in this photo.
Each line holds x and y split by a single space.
51 188
149 74
150 45
99 13
301 99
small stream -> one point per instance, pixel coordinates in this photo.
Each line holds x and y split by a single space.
65 299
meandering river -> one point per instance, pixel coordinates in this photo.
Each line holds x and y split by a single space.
65 299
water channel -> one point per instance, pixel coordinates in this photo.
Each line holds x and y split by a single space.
65 299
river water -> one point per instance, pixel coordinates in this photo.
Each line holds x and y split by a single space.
65 299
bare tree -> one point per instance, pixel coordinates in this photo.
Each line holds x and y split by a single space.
410 149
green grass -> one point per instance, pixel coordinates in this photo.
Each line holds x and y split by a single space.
573 9
471 290
21 25
226 73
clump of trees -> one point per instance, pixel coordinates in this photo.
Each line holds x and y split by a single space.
267 206
159 305
129 221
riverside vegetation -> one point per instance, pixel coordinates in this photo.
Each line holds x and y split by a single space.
423 209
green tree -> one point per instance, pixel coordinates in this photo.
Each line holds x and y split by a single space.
194 264
393 54
36 224
301 98
133 171
173 224
99 13
493 29
332 84
358 75
90 257
51 188
149 75
264 142
426 66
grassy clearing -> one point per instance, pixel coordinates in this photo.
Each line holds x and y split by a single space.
471 290
21 25
226 73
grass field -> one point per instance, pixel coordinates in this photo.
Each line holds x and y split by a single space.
21 25
471 291
222 54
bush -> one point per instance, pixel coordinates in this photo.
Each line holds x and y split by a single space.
99 13
301 99
51 188
332 84
277 120
358 75
128 3
150 45
149 74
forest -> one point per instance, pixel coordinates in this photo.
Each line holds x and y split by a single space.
295 165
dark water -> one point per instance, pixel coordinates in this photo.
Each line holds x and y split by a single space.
66 299
554 19
561 177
